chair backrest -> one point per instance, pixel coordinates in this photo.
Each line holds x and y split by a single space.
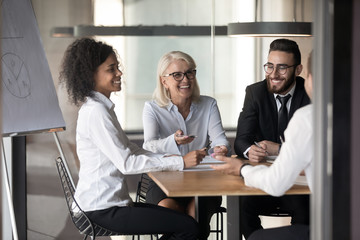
79 218
142 188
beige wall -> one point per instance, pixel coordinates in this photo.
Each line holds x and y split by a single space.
52 13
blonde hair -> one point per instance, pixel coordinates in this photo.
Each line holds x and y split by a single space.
161 95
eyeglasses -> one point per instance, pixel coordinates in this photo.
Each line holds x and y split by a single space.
281 68
179 76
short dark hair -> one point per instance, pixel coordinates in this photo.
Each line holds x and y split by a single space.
80 62
287 45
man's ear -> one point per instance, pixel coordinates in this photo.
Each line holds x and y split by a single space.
298 69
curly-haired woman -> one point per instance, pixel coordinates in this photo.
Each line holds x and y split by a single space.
90 71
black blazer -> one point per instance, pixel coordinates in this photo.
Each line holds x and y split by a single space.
259 116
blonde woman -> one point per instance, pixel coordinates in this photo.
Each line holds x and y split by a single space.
181 121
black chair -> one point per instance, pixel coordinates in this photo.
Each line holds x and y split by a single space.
141 191
142 188
141 197
78 216
219 231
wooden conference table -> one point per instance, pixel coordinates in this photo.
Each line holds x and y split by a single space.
209 183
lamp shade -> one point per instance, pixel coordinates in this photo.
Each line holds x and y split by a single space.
270 29
166 30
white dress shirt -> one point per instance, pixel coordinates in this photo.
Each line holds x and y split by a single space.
161 123
288 103
296 154
106 154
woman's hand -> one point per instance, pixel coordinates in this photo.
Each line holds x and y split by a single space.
220 151
193 158
180 138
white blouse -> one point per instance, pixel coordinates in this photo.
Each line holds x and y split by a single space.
161 123
106 154
297 154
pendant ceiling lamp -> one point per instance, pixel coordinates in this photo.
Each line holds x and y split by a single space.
270 29
166 30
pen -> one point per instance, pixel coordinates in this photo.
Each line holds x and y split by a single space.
257 144
208 146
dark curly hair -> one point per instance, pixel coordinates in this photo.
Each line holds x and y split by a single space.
80 62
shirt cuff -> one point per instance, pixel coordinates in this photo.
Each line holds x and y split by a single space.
174 148
246 151
173 162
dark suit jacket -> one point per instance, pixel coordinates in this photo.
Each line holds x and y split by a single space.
259 116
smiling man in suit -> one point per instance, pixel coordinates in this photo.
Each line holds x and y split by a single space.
268 106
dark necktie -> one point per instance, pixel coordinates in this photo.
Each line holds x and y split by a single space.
283 115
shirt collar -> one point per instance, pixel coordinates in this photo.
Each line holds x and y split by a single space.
101 98
291 92
171 105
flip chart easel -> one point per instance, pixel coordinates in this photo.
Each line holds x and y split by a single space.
8 193
57 141
29 100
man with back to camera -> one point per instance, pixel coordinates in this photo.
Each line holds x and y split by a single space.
295 156
261 125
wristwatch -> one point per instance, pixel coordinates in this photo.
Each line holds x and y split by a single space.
245 164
